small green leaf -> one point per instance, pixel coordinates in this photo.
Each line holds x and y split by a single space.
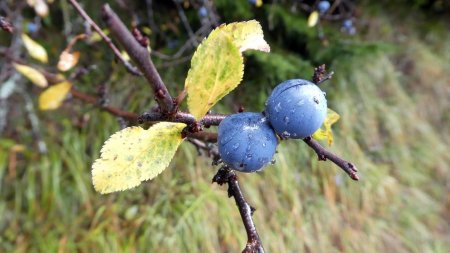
324 132
217 68
133 155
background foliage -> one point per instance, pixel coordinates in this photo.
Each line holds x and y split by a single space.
390 88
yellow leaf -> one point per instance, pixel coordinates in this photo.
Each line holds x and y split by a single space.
68 60
245 35
133 155
125 55
32 74
313 19
259 3
34 49
41 8
217 65
216 69
52 97
325 131
95 36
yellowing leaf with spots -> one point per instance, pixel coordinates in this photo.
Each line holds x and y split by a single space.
32 74
245 35
53 96
325 131
34 49
313 19
217 65
134 154
217 68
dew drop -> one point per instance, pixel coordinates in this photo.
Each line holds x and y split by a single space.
249 156
264 144
301 102
236 145
278 107
286 120
285 134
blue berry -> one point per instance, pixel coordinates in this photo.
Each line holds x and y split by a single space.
32 27
247 143
202 12
347 24
323 6
296 108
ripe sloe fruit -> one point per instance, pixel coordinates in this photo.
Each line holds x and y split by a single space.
246 141
323 6
296 108
202 12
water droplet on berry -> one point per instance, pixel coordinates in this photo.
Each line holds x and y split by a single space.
285 134
249 156
236 145
286 120
278 107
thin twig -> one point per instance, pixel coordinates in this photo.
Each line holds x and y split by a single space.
185 22
132 69
140 56
225 175
113 110
324 154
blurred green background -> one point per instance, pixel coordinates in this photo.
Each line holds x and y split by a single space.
391 87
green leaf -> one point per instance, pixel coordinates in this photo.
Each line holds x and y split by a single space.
217 65
217 68
133 155
325 131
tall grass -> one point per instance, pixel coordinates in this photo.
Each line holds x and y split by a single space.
394 125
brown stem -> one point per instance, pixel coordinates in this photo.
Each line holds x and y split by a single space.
132 69
183 117
140 56
113 110
225 175
324 154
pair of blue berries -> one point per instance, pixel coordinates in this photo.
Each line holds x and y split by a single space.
295 109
